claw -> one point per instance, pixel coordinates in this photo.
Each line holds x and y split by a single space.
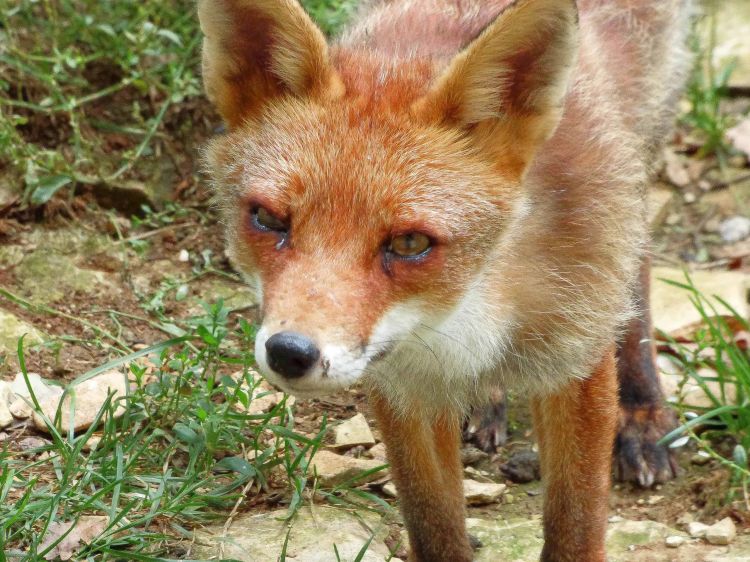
638 456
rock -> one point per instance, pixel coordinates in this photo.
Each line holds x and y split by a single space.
739 136
696 529
264 400
352 432
482 493
90 395
6 396
671 308
674 541
333 469
517 540
700 458
687 392
22 406
28 445
313 534
730 44
659 199
389 489
11 329
626 533
734 229
721 533
471 455
48 277
522 467
378 452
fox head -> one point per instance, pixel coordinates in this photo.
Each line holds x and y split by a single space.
363 193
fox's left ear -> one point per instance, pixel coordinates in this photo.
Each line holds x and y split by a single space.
255 51
507 86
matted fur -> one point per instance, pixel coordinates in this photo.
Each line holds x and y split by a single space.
530 282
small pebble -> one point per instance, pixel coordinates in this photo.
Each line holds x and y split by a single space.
184 256
700 458
674 541
735 229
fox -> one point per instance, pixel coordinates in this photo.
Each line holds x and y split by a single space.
446 199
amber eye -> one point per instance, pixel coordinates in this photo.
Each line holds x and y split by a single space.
264 220
410 245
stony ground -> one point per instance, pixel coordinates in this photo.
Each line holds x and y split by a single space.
85 283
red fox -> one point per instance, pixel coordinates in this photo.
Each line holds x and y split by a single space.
449 198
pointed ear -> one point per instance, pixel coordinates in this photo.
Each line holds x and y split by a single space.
507 87
257 50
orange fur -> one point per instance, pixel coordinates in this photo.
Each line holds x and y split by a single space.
515 136
575 429
428 473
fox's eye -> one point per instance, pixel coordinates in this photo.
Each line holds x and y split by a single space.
264 220
410 245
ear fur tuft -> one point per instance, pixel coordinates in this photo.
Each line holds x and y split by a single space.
509 83
256 50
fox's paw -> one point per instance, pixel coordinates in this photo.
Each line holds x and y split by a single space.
638 457
487 427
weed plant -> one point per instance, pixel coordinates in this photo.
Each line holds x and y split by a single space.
184 451
717 350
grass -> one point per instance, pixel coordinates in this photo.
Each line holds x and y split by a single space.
706 90
91 93
176 457
718 363
185 451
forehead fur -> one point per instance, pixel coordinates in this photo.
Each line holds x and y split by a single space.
359 157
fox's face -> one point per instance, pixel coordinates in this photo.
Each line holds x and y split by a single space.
360 196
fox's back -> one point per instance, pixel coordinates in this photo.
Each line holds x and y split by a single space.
636 47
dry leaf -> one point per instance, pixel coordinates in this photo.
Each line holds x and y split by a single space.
85 530
739 135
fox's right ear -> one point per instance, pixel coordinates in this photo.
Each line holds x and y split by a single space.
257 50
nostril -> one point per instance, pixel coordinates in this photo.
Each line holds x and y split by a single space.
291 354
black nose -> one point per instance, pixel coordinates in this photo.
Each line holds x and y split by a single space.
291 354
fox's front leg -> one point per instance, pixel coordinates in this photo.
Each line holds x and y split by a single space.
427 471
575 429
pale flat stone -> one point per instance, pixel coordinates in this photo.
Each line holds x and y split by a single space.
722 532
90 395
11 329
688 392
314 532
732 31
352 432
264 398
659 199
696 529
671 308
333 469
378 452
6 395
482 493
390 490
674 541
21 406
